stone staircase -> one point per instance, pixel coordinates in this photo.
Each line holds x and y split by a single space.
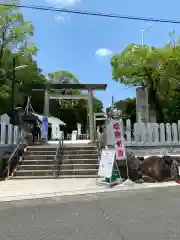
37 162
77 161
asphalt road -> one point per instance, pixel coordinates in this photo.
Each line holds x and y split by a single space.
133 215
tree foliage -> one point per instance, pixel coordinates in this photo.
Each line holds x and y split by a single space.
155 68
62 77
128 108
14 31
15 43
15 35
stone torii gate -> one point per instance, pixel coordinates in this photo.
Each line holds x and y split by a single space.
51 91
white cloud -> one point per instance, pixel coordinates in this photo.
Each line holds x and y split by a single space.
63 2
103 52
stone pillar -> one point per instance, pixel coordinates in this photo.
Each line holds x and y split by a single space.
142 106
46 108
91 115
95 127
46 103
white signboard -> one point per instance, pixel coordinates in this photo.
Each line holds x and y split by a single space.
106 163
74 135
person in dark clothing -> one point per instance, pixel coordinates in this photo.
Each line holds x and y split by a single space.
49 131
36 133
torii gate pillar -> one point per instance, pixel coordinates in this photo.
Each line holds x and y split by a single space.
91 115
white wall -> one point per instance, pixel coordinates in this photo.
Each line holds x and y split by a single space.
56 133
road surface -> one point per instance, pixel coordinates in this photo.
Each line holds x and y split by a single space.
131 215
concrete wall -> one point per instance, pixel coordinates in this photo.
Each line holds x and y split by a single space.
5 152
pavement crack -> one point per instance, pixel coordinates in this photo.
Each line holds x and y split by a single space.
107 217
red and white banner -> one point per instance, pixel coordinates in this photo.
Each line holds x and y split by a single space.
119 141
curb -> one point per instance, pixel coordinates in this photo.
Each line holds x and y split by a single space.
85 192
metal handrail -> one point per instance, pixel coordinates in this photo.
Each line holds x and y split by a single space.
59 150
13 153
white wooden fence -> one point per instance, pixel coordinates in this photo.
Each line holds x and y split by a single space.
138 134
152 134
9 134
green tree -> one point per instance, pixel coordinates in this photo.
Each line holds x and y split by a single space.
63 77
14 31
25 76
15 34
128 108
155 68
173 108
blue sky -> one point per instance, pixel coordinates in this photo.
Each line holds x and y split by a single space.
71 42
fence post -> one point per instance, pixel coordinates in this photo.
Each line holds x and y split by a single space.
10 132
137 135
162 133
149 130
174 133
168 132
15 137
155 127
128 130
178 125
143 130
3 132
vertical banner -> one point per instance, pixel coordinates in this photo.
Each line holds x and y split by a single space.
119 141
44 130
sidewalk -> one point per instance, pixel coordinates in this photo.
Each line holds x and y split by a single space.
47 188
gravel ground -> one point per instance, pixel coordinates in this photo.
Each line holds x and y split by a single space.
133 215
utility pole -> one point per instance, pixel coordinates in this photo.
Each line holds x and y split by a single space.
113 101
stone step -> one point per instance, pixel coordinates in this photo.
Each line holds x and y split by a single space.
31 177
39 162
66 148
52 177
39 157
41 149
51 172
65 157
78 148
36 167
72 172
78 166
78 176
80 161
80 152
80 156
41 153
20 172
